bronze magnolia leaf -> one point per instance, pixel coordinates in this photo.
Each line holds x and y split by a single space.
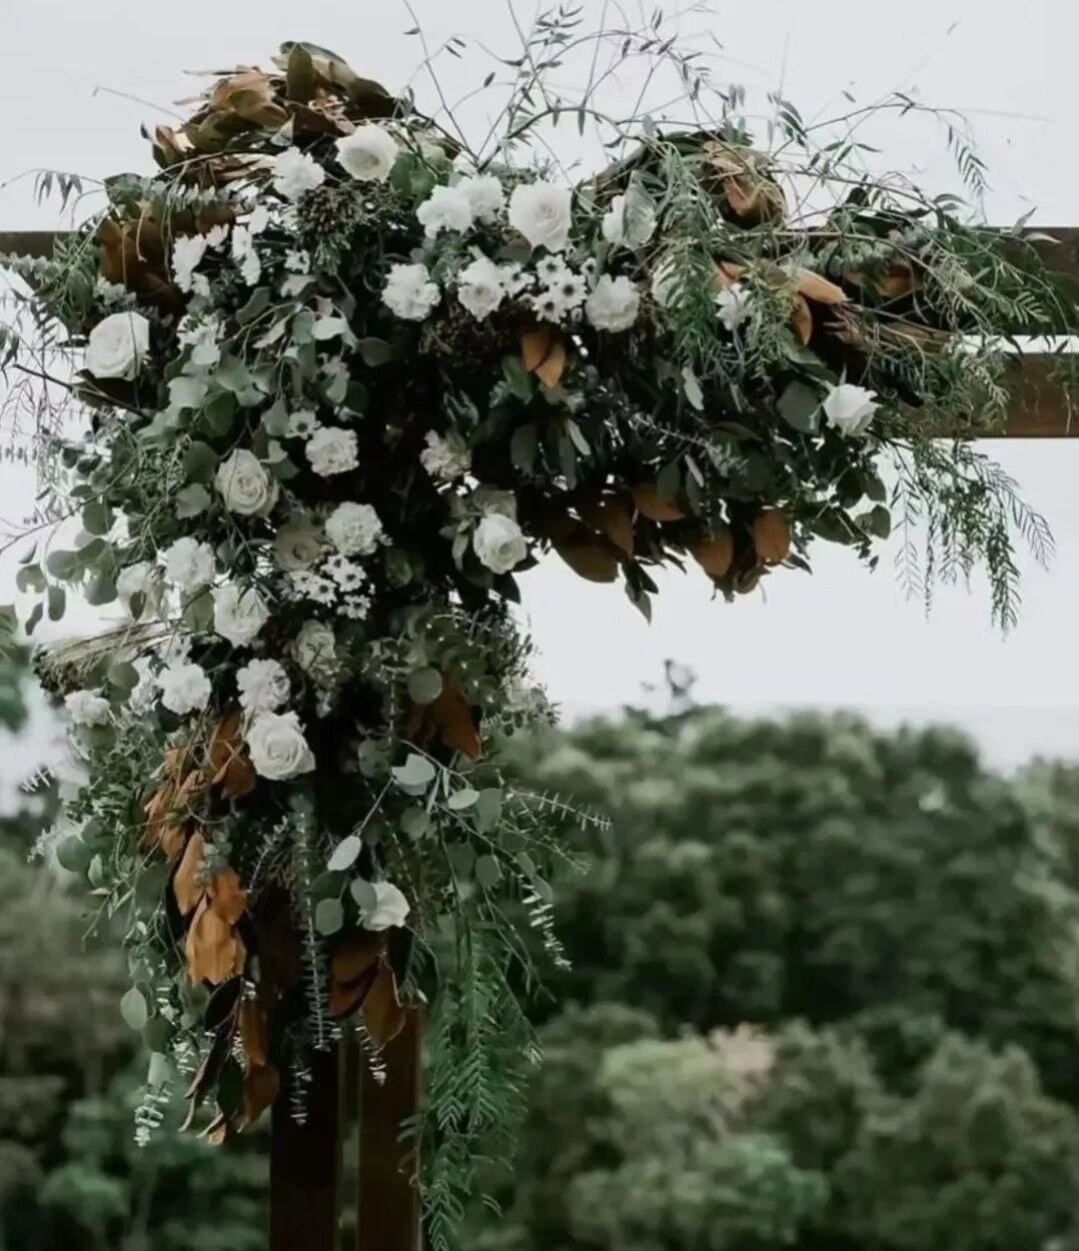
771 536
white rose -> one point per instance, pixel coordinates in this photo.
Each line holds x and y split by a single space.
368 154
87 708
246 485
332 450
239 615
447 208
541 212
499 543
486 195
295 173
613 305
298 545
263 686
315 650
634 228
278 748
354 529
184 687
850 409
410 293
117 346
189 564
481 287
447 458
734 305
390 908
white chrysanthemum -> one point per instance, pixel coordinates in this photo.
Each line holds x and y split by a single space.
345 573
368 154
187 254
332 450
295 173
850 409
446 458
245 485
734 304
278 748
189 564
203 341
541 212
486 195
481 287
297 545
499 543
184 687
571 289
315 650
239 614
410 293
447 208
354 529
263 686
117 346
389 910
613 305
245 255
87 708
548 305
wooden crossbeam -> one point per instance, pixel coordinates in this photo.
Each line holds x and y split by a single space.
1042 407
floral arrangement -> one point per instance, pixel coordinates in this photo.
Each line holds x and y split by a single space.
348 378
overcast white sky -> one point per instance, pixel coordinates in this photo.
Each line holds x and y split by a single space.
841 637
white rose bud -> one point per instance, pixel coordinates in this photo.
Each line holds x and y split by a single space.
541 212
368 154
499 543
239 615
850 409
245 485
390 908
118 345
278 748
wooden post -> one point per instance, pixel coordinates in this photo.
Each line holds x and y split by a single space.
389 1196
305 1163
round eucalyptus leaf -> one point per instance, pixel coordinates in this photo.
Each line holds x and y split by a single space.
363 892
329 916
425 685
134 1009
345 854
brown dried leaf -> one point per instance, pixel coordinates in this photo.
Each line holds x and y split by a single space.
715 555
253 1032
802 319
227 898
215 952
589 555
727 274
383 1014
453 715
186 884
614 518
648 501
217 1131
543 353
353 970
814 287
231 768
772 536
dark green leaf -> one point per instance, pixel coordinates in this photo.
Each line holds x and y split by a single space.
799 406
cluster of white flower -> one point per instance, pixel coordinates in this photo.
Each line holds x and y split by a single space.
185 687
355 529
410 292
263 686
332 450
87 708
188 565
239 614
446 458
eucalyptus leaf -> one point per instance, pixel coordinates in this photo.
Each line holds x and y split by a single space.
461 800
524 445
97 518
73 854
258 302
374 352
415 823
488 810
345 853
329 916
488 872
416 772
364 894
200 463
57 602
425 685
134 1009
799 406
